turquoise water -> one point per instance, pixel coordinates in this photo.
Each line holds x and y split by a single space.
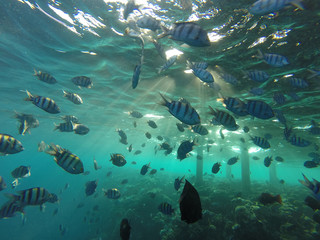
75 38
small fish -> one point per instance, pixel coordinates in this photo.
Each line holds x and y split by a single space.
118 160
161 169
136 76
124 181
3 184
168 63
312 203
9 209
62 229
109 174
137 152
235 105
133 162
64 127
160 138
135 114
130 148
199 129
143 145
282 181
216 168
314 186
80 129
233 160
180 127
262 7
267 198
153 171
152 124
260 142
80 205
298 141
121 133
46 104
145 169
223 118
165 146
184 148
279 98
203 75
246 129
257 76
160 49
187 32
298 82
125 229
73 97
95 164
280 116
273 59
82 81
135 124
70 118
255 158
27 121
259 109
279 159
45 77
202 65
31 196
112 193
310 164
177 183
257 91
9 145
229 79
21 172
148 22
267 161
166 208
91 187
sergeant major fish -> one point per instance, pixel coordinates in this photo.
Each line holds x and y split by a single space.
257 76
21 172
216 167
272 59
112 193
148 22
168 63
177 183
64 127
152 124
259 109
45 77
82 81
73 97
160 49
260 142
145 169
223 118
118 160
80 129
90 187
184 148
9 145
199 129
267 161
166 208
9 209
136 76
46 104
262 7
233 160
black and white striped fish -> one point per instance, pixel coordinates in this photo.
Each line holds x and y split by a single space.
298 82
203 65
64 127
21 172
298 141
273 59
166 208
168 63
9 145
200 129
259 109
235 105
9 209
46 104
182 110
260 142
73 97
70 118
82 81
223 118
257 76
45 77
187 32
112 193
149 22
203 75
65 159
31 196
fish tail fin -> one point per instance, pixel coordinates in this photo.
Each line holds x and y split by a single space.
190 64
306 181
52 149
165 102
64 93
279 199
260 54
297 4
165 32
12 197
36 73
56 126
30 97
212 111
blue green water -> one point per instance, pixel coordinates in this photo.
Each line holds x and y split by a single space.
74 38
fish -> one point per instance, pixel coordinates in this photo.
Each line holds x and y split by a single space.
233 160
109 174
70 118
281 181
160 49
184 148
9 145
180 127
90 187
27 121
262 7
118 160
259 109
73 97
135 124
280 116
145 169
310 164
235 105
44 103
257 76
135 114
314 186
255 158
160 138
64 127
166 208
203 75
136 75
190 204
182 110
312 203
125 229
168 63
298 141
68 161
9 209
130 148
261 142
298 82
148 22
165 146
221 133
133 162
287 132
152 124
274 60
82 81
44 77
177 183
257 91
267 161
129 7
199 129
294 96
246 129
153 171
267 198
112 193
15 183
55 212
124 181
31 196
137 152
161 169
229 79
80 129
216 168
121 133
202 65
279 98
3 184
21 172
95 164
279 159
223 118
53 198
188 32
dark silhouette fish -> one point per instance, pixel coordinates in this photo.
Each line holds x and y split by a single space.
91 187
144 169
267 198
125 229
190 205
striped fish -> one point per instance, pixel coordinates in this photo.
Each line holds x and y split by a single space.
80 129
229 78
148 22
3 184
136 75
262 7
82 81
202 65
261 142
20 172
70 118
257 76
259 109
189 33
64 127
184 149
267 161
9 145
166 208
235 105
73 97
9 209
273 59
65 159
168 63
279 98
298 141
31 196
280 116
45 77
44 103
314 186
200 129
257 91
298 82
203 75
223 118
182 110
112 193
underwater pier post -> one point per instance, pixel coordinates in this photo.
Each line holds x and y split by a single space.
245 168
273 178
